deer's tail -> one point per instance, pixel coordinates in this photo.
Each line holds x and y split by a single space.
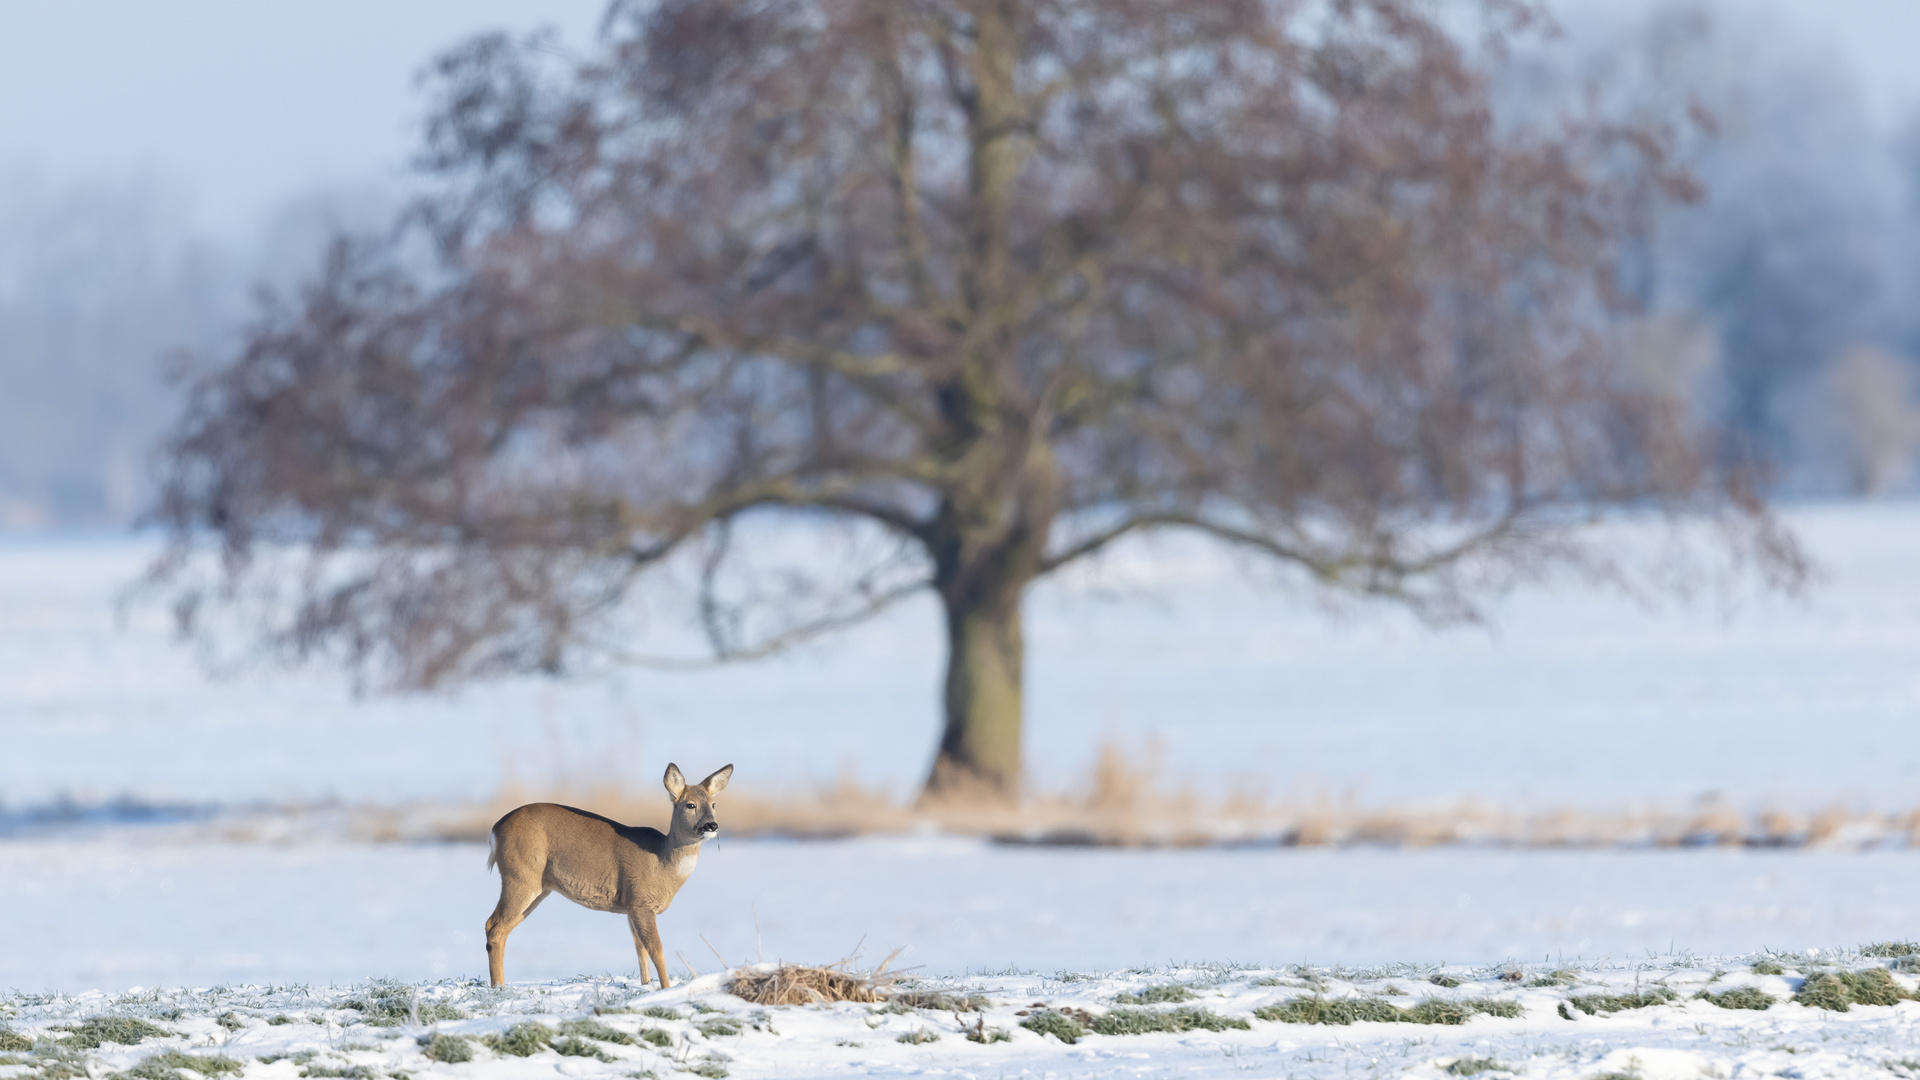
493 849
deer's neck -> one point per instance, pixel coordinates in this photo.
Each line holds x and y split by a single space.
679 859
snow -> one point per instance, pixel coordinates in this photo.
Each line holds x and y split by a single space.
697 1027
110 914
1572 697
1576 698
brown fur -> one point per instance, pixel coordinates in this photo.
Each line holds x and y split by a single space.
598 863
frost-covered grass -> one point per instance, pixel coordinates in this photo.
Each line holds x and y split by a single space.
1396 1019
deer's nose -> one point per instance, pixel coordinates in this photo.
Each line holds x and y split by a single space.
710 827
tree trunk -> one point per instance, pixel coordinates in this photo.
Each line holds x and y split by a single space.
979 756
992 525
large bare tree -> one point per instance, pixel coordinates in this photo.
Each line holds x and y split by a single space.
1008 280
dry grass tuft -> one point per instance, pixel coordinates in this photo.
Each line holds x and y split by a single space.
798 984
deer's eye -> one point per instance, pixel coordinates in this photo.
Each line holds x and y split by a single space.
689 806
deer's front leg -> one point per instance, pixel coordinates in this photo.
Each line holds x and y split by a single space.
639 945
646 935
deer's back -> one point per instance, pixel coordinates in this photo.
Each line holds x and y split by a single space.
592 860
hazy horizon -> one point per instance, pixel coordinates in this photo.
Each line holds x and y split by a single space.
243 108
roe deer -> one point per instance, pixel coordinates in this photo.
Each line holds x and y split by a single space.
600 864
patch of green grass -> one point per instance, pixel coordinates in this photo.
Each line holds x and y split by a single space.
341 1072
594 1029
1768 967
300 1057
1441 1011
1562 977
656 1037
1874 986
66 1070
521 1040
279 1020
1890 949
391 1005
1362 1010
1447 981
1317 1010
12 1041
432 1012
448 1049
719 1027
166 1065
710 1069
919 1036
1824 991
1172 993
575 1046
230 1020
1596 1004
1058 1025
1146 1021
1744 997
1835 991
986 1035
955 1003
123 1030
662 1012
1473 1066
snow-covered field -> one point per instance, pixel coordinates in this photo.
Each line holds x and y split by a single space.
108 915
1641 1021
1573 697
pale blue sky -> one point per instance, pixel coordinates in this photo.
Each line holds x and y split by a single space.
247 102
250 102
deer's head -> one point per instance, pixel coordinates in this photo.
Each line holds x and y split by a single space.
693 819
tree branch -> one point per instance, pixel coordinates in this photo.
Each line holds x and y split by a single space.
1386 573
904 176
786 639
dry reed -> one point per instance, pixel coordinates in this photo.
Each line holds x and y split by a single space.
801 984
1121 804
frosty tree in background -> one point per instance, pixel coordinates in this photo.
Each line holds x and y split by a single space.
1003 282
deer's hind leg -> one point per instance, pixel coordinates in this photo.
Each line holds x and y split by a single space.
517 901
646 939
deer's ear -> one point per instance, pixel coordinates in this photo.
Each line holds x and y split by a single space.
676 784
717 783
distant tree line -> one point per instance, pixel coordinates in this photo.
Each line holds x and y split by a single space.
1785 301
103 285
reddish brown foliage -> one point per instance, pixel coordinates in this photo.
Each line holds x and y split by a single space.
1009 279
